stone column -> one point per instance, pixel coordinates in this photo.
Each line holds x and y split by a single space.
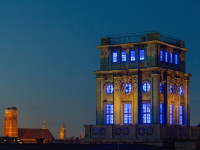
135 101
98 101
116 102
187 104
155 98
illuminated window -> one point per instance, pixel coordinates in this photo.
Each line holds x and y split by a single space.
161 55
181 90
146 87
127 114
181 115
161 114
109 115
132 53
171 114
176 59
166 56
161 88
171 58
171 89
146 113
114 56
124 56
109 89
141 54
127 88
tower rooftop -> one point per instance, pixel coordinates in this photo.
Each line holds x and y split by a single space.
141 37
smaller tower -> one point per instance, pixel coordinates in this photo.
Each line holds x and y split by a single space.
44 125
63 132
10 125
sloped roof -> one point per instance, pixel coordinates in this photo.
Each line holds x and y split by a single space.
30 133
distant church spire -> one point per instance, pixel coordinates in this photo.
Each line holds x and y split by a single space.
44 125
63 132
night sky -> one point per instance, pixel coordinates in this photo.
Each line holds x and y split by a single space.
48 54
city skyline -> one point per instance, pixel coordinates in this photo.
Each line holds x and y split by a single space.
48 54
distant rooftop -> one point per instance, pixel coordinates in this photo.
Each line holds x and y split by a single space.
141 37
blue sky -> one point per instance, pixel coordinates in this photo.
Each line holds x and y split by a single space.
48 54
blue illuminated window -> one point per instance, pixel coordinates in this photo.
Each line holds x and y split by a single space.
127 114
171 58
161 55
127 88
146 113
141 54
145 87
166 56
132 53
176 59
161 114
181 90
171 114
124 56
109 89
161 88
109 114
171 89
181 115
114 56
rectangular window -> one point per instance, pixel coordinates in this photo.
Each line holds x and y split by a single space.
181 115
161 55
124 56
114 56
141 54
109 114
166 56
127 114
161 114
171 58
146 113
132 53
171 114
176 59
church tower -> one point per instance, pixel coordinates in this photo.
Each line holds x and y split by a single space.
10 126
63 132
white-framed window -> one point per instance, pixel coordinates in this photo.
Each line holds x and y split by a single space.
114 54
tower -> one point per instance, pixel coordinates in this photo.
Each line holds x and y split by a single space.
44 125
142 90
10 125
63 132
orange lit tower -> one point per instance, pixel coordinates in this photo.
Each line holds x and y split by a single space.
10 126
63 132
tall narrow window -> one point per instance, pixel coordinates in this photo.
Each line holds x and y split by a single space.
181 90
181 115
109 115
166 56
161 114
171 114
132 53
141 54
127 114
114 56
171 89
146 113
161 55
123 56
171 58
176 59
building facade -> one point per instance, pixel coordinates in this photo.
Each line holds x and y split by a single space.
141 88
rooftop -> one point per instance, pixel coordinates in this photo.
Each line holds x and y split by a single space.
141 37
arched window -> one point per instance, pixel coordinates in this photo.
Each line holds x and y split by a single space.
109 89
145 87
